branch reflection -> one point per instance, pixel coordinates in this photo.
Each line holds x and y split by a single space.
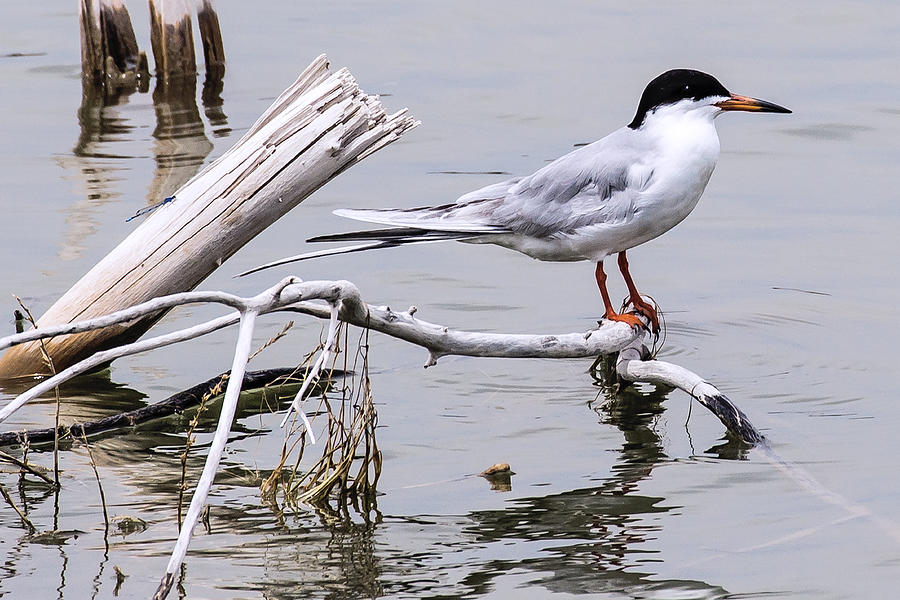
593 540
590 540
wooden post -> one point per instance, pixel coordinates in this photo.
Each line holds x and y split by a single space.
171 38
92 60
319 126
211 38
119 42
110 56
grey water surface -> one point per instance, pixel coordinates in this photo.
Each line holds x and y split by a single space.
782 288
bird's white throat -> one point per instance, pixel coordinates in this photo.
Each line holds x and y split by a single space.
686 149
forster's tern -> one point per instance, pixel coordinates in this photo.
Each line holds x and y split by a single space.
602 199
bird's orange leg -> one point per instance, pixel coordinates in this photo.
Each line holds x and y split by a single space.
610 313
645 308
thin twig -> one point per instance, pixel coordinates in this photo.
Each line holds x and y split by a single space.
100 487
328 351
9 500
23 464
215 390
272 340
49 360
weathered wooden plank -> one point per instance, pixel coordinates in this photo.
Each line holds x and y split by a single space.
318 127
119 41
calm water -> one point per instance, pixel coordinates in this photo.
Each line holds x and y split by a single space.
781 287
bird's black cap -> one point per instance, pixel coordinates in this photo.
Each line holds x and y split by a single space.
675 85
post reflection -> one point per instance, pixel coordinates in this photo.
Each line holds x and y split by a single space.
180 144
99 161
112 144
213 106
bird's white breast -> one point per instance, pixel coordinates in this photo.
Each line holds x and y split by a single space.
687 149
683 151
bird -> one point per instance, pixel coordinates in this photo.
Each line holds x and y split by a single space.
599 200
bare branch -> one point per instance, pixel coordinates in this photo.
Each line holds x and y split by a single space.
328 352
226 417
440 340
345 303
630 367
289 293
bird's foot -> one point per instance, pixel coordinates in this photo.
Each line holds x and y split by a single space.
629 318
648 310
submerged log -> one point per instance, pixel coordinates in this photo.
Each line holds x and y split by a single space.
175 404
319 126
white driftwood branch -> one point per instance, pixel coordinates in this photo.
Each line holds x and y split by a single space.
103 357
223 429
122 316
345 301
630 367
345 304
319 126
271 299
328 352
440 340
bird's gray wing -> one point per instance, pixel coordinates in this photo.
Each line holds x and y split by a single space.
594 184
597 184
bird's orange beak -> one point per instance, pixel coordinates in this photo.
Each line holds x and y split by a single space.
748 104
